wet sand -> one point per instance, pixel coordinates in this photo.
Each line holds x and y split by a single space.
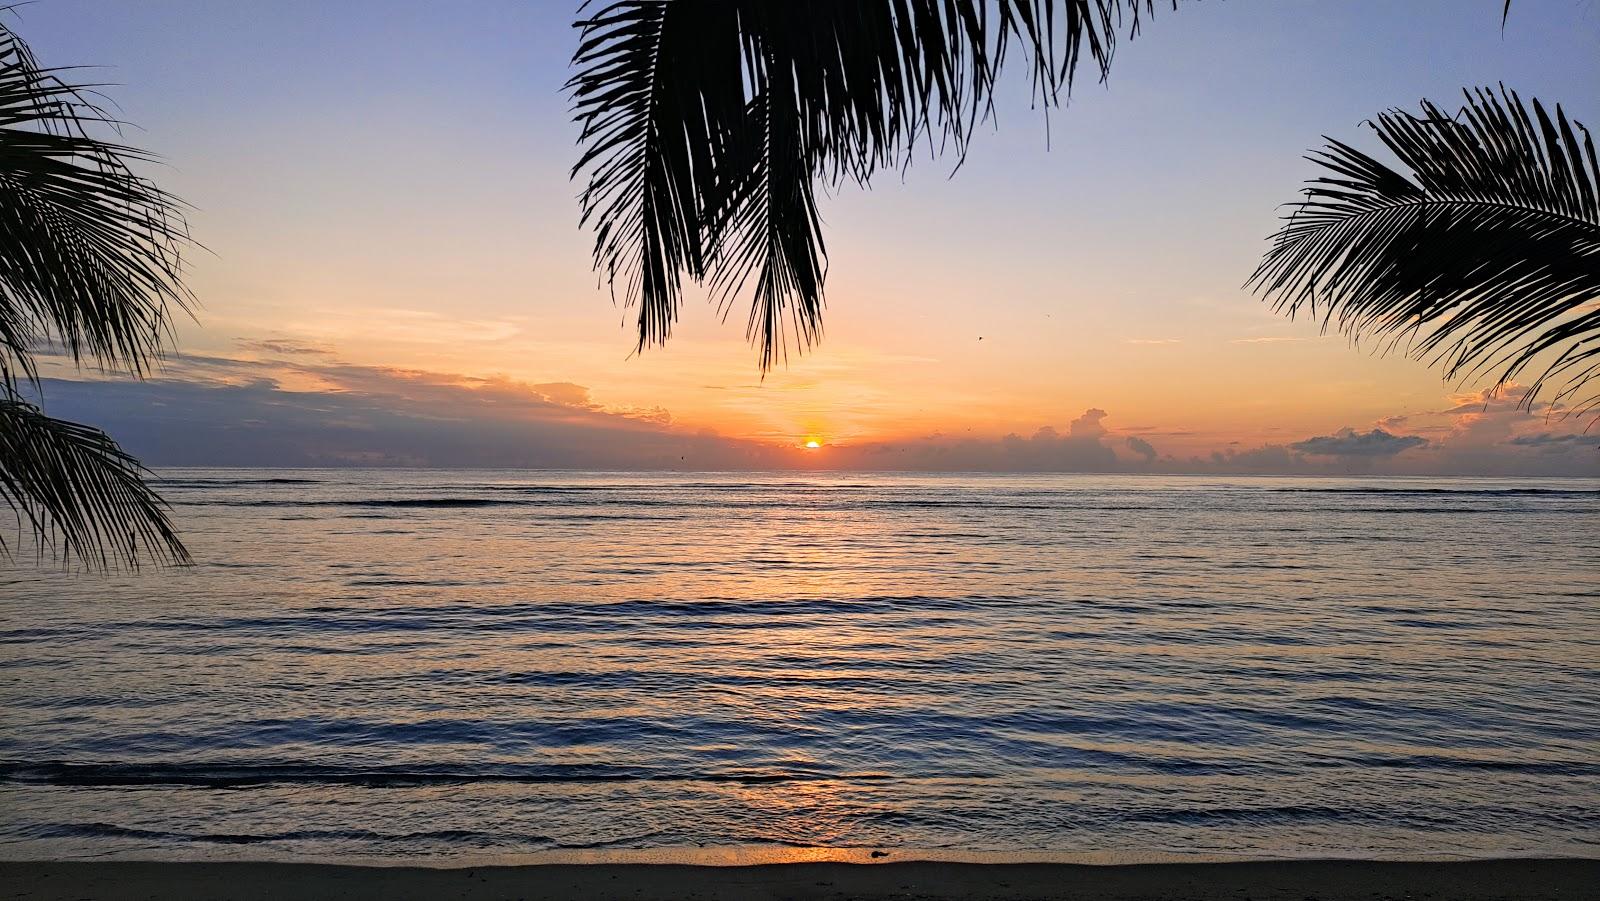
1524 880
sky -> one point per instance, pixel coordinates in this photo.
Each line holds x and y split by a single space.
394 273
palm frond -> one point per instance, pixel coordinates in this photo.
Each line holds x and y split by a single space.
79 493
90 260
774 232
707 124
1484 257
653 99
90 252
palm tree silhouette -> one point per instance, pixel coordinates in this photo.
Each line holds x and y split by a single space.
1484 257
89 264
707 124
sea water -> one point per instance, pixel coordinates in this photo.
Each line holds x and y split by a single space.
437 666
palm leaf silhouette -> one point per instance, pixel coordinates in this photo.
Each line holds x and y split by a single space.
79 492
707 125
1484 258
89 261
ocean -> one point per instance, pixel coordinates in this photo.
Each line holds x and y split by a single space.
449 666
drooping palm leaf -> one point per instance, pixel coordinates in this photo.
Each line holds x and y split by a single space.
90 252
1484 257
80 494
707 124
90 261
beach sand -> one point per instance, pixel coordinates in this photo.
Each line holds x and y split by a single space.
1523 880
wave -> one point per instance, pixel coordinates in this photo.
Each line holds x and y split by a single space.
202 775
423 502
687 503
472 837
544 489
1486 492
238 775
405 502
682 486
1443 762
227 483
1254 816
559 615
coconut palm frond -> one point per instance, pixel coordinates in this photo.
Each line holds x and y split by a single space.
1483 257
90 261
658 89
769 229
838 91
707 124
90 252
79 493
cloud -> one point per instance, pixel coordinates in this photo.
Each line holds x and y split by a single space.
1269 459
1152 341
1088 425
1142 447
1492 432
1499 431
1046 450
308 408
285 347
1348 442
563 393
1549 440
1087 446
225 412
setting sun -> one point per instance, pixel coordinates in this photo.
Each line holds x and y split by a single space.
813 443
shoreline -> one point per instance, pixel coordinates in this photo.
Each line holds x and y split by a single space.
1524 879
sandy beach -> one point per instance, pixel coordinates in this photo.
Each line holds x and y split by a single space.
1523 880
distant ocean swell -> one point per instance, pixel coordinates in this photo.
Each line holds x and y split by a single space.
769 484
234 775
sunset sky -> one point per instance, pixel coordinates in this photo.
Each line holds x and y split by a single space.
394 270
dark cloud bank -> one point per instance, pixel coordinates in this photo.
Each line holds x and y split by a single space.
240 413
1351 443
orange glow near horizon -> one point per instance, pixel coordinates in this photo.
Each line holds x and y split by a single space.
441 276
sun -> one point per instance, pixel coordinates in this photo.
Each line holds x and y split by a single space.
813 443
